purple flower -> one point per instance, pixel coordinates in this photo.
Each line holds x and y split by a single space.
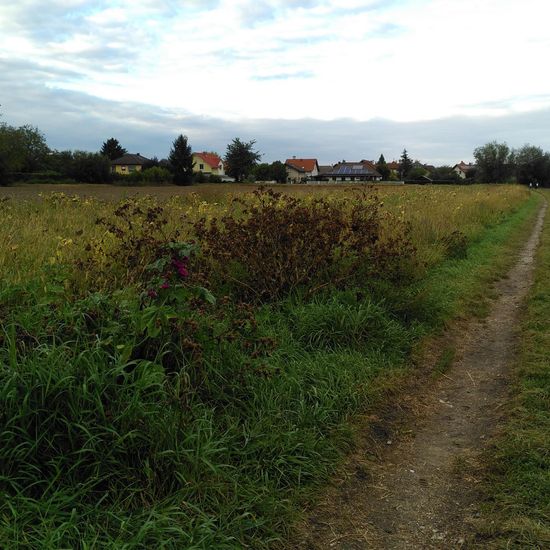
152 293
181 267
165 285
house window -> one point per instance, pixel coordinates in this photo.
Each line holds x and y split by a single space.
201 166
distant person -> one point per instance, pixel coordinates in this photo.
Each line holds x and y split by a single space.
530 185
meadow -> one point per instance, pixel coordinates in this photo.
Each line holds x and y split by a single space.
180 368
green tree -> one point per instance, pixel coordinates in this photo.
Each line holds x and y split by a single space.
531 164
444 173
24 149
382 168
494 162
278 171
112 149
406 164
3 170
151 163
89 167
262 172
59 161
240 159
181 161
417 172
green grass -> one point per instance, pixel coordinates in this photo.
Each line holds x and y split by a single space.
517 508
104 443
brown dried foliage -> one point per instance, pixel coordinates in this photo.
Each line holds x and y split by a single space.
279 243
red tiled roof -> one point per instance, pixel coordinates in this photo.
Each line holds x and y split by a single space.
369 164
210 158
393 165
302 165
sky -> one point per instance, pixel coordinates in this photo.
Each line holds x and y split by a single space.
331 80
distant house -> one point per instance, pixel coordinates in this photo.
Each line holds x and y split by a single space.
394 168
353 172
301 170
463 170
208 163
128 163
324 169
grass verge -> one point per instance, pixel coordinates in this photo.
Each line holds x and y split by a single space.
517 487
104 443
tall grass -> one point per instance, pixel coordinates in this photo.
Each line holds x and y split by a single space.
131 421
52 228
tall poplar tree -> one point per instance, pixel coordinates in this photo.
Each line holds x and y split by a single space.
382 168
406 164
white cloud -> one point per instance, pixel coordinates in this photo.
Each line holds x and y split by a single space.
403 60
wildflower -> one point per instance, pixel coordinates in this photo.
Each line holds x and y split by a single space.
180 267
152 293
165 285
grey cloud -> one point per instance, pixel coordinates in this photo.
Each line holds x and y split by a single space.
73 120
51 24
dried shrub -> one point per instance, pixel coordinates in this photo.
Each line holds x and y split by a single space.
136 236
278 243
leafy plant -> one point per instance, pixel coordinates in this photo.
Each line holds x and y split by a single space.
279 243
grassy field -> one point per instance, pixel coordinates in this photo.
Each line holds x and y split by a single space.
179 371
517 511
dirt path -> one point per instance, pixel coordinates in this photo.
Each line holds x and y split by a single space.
417 492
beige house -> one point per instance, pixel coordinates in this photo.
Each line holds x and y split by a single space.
301 170
128 163
463 169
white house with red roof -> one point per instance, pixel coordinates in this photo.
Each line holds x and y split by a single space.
463 169
301 170
208 163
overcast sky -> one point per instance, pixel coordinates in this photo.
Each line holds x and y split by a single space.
333 80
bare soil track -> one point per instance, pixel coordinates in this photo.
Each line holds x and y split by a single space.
416 489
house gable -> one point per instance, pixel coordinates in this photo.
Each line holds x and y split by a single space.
208 163
301 169
128 163
462 169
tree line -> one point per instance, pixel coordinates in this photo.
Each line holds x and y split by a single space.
498 163
25 156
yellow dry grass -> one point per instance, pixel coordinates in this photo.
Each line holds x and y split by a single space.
46 228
